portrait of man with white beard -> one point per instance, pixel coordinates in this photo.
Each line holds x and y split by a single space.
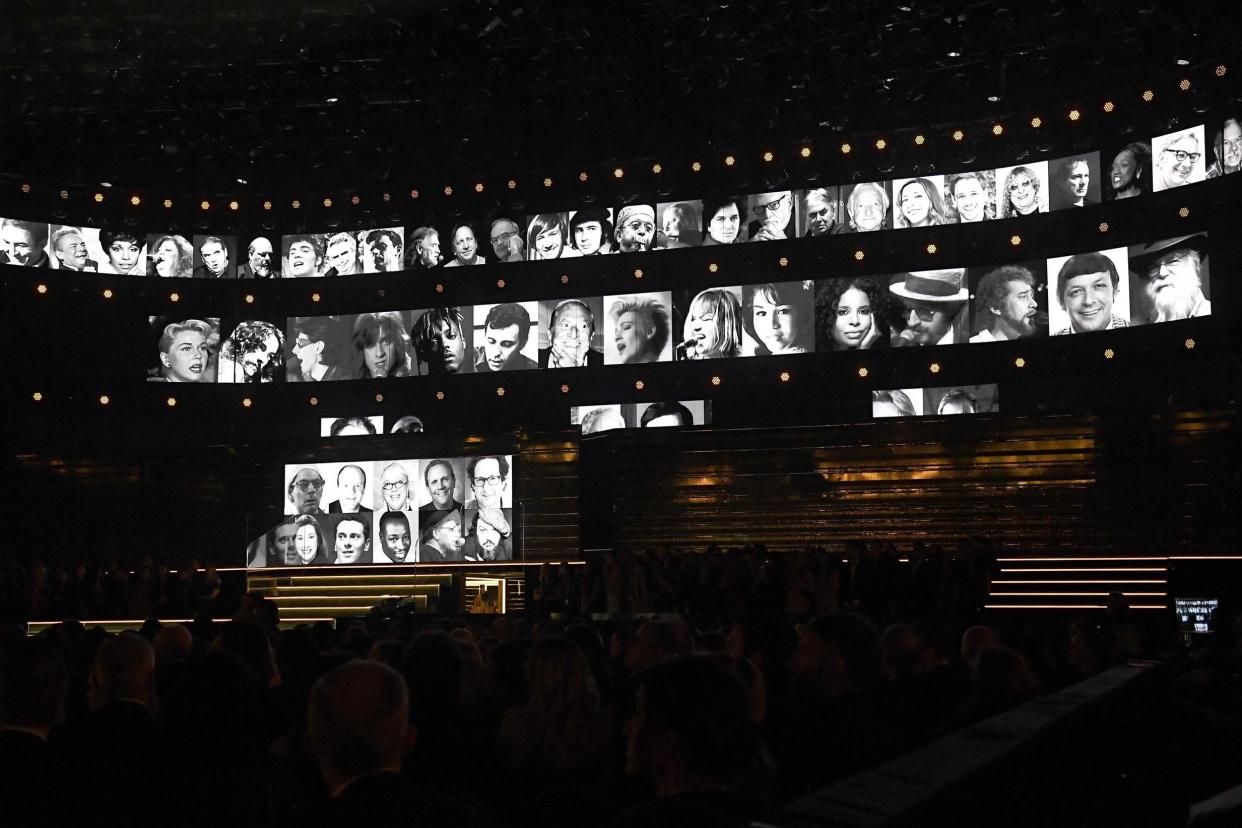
1171 276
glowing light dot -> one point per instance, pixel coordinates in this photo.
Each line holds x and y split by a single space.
234 206
783 261
880 143
98 197
730 160
1103 226
931 248
104 399
414 193
1015 240
1221 70
1074 114
862 372
715 380
204 205
934 367
107 294
439 395
511 184
859 255
37 396
25 188
1020 362
247 402
696 166
564 389
267 205
296 204
997 129
657 168
1109 106
805 152
478 188
249 298
448 191
315 297
386 197
958 135
1190 344
174 297
41 289
379 397
1184 84
64 195
846 149
547 182
784 376
313 401
135 200
639 384
919 139
713 267
1184 212
1037 122
1148 95
582 176
1109 353
172 402
500 391
768 156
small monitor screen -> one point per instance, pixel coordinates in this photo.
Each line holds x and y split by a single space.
1195 615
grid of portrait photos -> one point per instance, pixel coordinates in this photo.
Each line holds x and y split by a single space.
401 511
1129 169
1162 281
593 419
942 401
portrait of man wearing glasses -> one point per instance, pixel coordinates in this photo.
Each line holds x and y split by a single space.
772 212
395 486
935 307
1178 159
506 241
635 228
489 482
305 490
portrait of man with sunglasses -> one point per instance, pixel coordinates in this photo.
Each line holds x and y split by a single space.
1179 159
771 212
934 303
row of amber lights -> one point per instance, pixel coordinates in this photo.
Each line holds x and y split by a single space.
716 381
712 267
618 173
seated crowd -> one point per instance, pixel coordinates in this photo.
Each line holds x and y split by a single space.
645 689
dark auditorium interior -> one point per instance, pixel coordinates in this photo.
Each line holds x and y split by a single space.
942 526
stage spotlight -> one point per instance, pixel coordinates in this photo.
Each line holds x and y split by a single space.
859 255
1184 212
768 156
657 169
1015 240
696 166
64 195
379 398
1109 353
880 143
1221 70
98 197
40 289
448 191
1109 106
26 188
1148 95
500 391
997 129
249 298
785 376
234 206
862 372
1037 122
846 148
547 182
296 204
478 188
135 200
713 267
958 135
174 297
919 140
931 248
37 396
104 399
582 176
414 193
315 297
247 402
1184 84
439 395
638 273
1020 362
1190 344
639 385
168 204
729 160
202 205
1103 226
107 293
934 367
512 184
716 380
805 152
1074 114
267 205
564 389
783 261
314 401
171 401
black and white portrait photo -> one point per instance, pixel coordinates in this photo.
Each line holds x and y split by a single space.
302 255
464 240
821 212
934 307
252 351
122 251
503 337
342 253
867 205
71 251
186 350
673 413
1090 293
918 202
709 322
778 318
1008 302
320 349
1074 181
638 327
441 338
546 236
170 256
680 224
1022 190
1129 171
897 402
961 399
23 243
396 534
489 535
571 334
593 419
852 313
971 196
489 481
422 249
358 426
1178 158
215 257
442 487
724 220
382 249
771 216
590 233
1169 280
304 490
396 481
507 240
260 260
1226 148
635 230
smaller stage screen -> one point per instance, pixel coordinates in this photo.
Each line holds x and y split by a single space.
351 426
431 510
932 402
670 414
1195 615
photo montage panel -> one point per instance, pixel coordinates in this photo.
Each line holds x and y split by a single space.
1008 301
970 196
1169 280
1074 181
252 350
1087 292
855 313
680 224
24 243
961 399
215 257
1129 170
638 328
488 535
708 323
821 212
183 349
1226 148
770 216
867 205
368 426
778 318
74 248
1022 190
934 307
919 202
571 332
169 256
260 259
506 337
350 346
1178 158
442 338
396 510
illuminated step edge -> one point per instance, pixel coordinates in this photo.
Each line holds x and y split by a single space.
115 625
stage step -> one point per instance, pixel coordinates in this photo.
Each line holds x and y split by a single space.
1064 582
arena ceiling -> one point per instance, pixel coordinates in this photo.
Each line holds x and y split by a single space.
191 95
